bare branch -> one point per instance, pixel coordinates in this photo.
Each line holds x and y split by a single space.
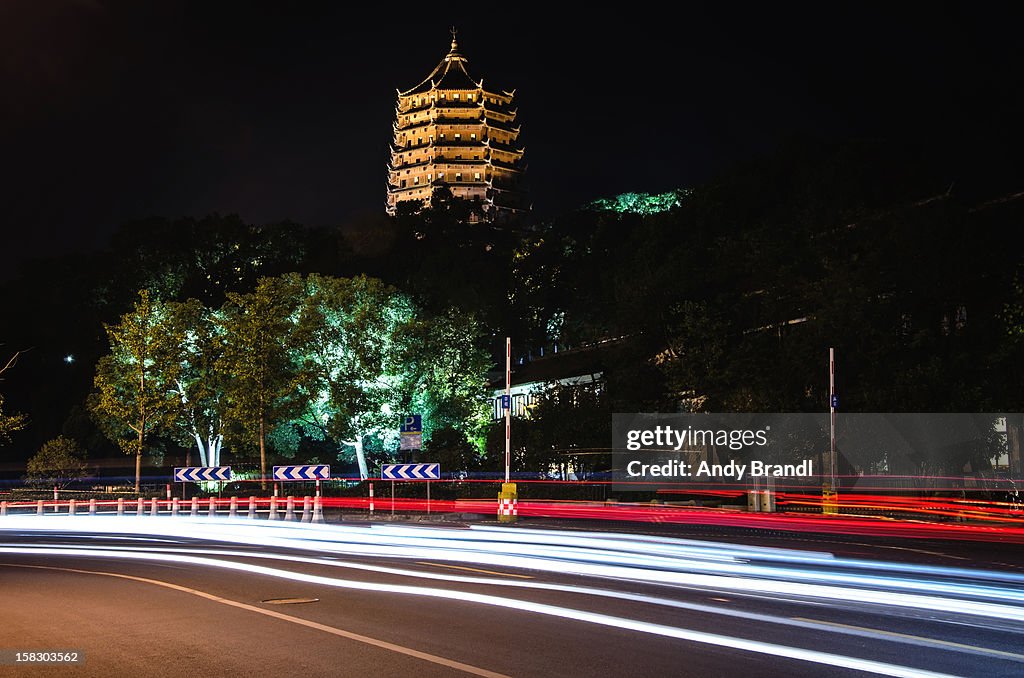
13 361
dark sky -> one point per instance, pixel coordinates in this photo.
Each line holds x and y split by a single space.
111 111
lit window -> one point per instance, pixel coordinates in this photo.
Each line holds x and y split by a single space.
471 97
458 176
403 183
456 97
473 136
419 141
440 176
458 136
430 176
476 176
458 157
431 138
416 181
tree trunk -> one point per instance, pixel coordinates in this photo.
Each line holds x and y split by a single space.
199 446
263 455
138 461
364 472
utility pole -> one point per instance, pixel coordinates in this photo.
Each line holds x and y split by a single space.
829 501
832 402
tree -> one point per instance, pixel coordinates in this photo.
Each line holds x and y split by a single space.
261 388
354 336
199 378
59 462
369 355
9 423
134 398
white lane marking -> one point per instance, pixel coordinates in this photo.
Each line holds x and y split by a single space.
425 656
800 654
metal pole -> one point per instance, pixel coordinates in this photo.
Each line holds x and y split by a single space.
392 497
508 410
832 416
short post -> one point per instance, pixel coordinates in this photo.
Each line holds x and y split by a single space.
428 497
138 511
71 507
92 506
371 499
318 511
168 490
195 507
174 507
307 504
212 512
39 508
273 508
252 507
154 507
55 497
120 506
3 508
289 511
508 508
318 487
233 512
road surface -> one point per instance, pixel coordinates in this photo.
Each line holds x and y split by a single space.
173 596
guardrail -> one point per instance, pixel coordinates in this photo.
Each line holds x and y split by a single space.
307 510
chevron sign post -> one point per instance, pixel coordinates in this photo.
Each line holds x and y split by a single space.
410 472
195 474
395 472
306 472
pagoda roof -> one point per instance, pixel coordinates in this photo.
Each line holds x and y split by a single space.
451 73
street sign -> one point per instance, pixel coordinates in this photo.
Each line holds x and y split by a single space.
303 472
194 474
835 401
410 436
410 472
506 402
410 441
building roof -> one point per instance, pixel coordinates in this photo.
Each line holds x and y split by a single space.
451 73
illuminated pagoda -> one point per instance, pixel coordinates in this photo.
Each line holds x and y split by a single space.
451 132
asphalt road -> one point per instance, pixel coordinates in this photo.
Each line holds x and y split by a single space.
172 597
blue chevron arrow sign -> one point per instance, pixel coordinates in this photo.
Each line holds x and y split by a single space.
303 472
195 474
410 472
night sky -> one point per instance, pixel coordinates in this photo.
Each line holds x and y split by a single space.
112 111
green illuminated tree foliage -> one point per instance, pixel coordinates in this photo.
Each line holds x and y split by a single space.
369 355
356 337
59 462
134 397
259 370
199 378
